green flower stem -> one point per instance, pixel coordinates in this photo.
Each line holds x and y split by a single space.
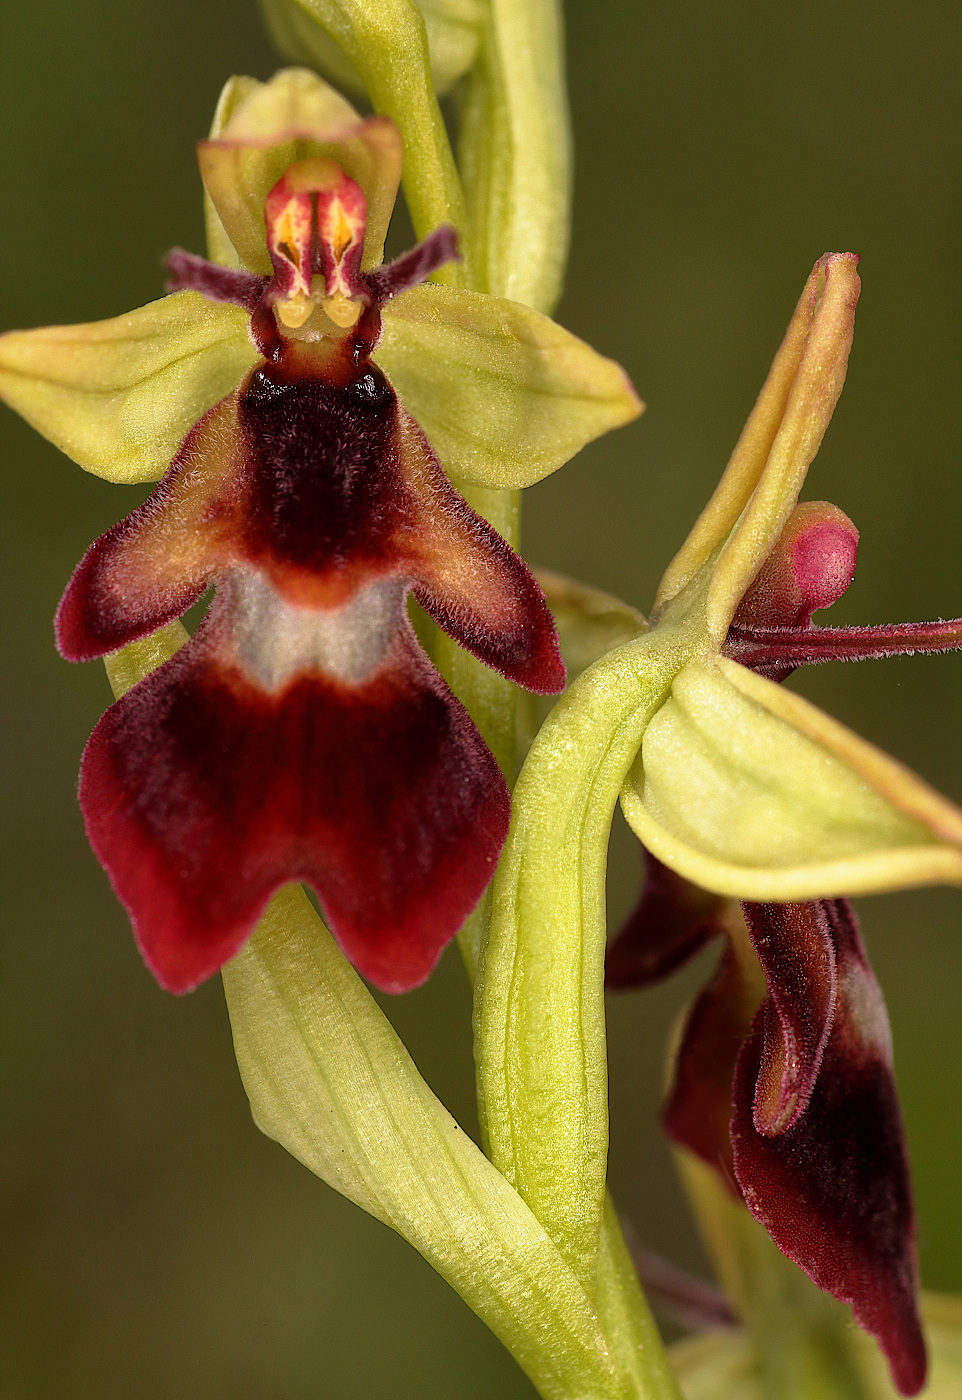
540 1028
515 153
386 42
629 1325
801 1337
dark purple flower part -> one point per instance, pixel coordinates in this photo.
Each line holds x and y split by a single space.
816 1131
791 1098
303 733
673 921
783 1079
810 568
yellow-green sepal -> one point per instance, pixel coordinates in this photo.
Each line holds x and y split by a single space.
749 790
760 485
119 396
504 395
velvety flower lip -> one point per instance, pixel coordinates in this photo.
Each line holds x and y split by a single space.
832 1185
782 1083
302 733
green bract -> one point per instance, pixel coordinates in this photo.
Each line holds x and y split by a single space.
506 395
452 29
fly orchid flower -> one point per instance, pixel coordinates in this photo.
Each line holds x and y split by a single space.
783 1078
303 733
749 792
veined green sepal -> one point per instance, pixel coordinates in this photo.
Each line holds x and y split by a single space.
504 395
118 396
749 790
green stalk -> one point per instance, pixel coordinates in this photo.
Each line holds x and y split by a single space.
386 42
515 159
539 1017
515 153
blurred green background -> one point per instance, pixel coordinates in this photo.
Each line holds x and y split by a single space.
157 1245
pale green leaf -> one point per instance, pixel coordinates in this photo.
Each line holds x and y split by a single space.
504 395
328 1078
119 396
749 790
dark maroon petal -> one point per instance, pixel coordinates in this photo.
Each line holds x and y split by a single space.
672 920
469 580
796 948
833 1189
191 273
153 565
697 1112
203 793
777 651
415 266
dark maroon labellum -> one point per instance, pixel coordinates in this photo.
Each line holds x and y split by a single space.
303 734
